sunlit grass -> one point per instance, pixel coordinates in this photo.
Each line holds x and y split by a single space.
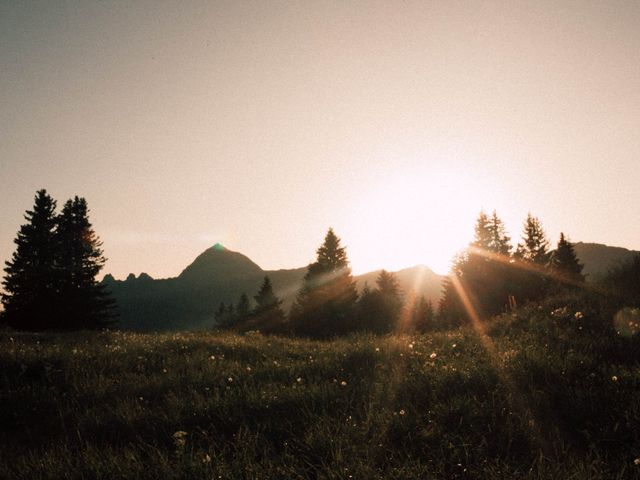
207 405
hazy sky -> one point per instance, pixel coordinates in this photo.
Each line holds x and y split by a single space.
261 124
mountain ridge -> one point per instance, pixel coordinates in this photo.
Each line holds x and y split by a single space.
189 300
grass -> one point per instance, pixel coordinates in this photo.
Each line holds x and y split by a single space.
544 395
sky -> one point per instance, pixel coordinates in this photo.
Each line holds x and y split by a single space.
259 125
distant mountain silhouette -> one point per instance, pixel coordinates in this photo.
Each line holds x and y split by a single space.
189 300
599 259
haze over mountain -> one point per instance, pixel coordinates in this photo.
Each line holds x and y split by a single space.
189 300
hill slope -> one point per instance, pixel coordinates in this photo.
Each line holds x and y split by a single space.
549 399
599 259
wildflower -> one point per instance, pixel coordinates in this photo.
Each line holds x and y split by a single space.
248 369
401 412
299 379
411 345
343 383
433 355
206 459
180 438
377 349
614 378
453 346
578 315
637 461
212 357
230 379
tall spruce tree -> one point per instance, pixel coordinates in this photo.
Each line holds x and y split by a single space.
565 264
388 289
499 241
243 308
30 282
535 245
482 232
533 256
325 304
267 313
224 316
84 302
423 315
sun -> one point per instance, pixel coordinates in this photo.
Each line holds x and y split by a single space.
410 219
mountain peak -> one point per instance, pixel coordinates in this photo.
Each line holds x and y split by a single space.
220 264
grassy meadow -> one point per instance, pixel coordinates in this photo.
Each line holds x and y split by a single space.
546 393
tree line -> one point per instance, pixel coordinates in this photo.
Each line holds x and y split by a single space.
50 281
494 275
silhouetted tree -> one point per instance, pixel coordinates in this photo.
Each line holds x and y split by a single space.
268 313
243 308
423 316
84 302
378 310
499 241
482 232
368 308
532 256
30 282
325 304
535 246
564 263
388 290
224 316
484 271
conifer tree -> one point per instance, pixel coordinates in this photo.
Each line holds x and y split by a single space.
499 241
565 264
388 290
482 237
224 316
84 302
30 281
243 308
368 307
423 315
535 246
325 304
483 271
533 254
268 311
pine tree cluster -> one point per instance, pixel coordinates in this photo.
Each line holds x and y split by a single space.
50 281
494 278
